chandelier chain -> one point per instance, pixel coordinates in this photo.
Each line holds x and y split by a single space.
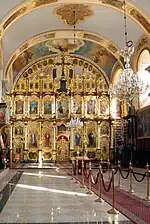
74 26
125 23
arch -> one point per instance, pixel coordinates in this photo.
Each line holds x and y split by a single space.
133 12
111 47
41 61
71 55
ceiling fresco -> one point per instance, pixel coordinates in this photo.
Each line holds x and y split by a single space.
96 53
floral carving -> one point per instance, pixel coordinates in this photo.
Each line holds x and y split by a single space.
67 15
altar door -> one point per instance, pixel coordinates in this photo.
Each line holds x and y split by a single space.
62 149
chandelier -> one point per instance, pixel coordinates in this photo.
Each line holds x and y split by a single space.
75 122
129 86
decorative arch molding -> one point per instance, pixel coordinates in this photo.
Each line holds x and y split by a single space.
115 72
100 41
96 68
133 12
143 44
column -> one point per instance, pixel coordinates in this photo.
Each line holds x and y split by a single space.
54 142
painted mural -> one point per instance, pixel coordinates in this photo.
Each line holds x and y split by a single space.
143 122
88 49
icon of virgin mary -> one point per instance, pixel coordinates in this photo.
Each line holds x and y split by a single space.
78 139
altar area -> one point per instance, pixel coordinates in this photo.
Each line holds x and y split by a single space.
42 103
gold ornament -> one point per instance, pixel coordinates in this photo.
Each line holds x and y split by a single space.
67 15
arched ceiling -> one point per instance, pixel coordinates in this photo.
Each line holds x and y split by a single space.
20 23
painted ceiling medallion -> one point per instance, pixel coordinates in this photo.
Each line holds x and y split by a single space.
67 15
64 45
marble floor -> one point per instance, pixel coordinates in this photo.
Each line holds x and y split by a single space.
33 196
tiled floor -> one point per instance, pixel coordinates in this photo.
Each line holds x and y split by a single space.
51 197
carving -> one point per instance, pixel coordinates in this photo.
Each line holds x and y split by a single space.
140 19
14 16
38 3
115 3
66 13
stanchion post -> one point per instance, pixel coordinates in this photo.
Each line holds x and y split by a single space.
83 185
77 170
72 170
109 170
101 161
100 200
119 175
131 180
90 184
113 210
147 174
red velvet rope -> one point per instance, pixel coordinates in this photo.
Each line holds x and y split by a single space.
109 186
85 174
93 179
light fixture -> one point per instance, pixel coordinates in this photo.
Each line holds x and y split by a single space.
75 122
129 86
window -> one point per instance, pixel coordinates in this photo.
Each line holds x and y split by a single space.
144 75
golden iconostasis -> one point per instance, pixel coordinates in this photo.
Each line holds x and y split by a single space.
41 112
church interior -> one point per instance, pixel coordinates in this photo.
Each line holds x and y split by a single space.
74 99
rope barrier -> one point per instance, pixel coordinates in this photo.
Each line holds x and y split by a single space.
85 174
113 210
83 185
143 177
148 178
131 180
109 186
119 176
100 186
95 180
90 184
124 177
115 172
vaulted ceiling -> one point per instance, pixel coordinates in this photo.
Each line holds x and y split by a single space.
21 20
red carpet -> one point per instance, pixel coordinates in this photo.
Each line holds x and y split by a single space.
134 208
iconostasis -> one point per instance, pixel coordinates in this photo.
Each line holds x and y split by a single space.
41 112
